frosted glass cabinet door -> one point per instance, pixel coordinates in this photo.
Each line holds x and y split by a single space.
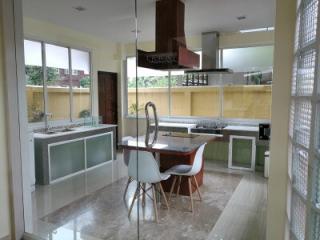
99 149
242 152
66 158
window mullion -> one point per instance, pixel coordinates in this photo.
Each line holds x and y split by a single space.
44 82
169 90
70 85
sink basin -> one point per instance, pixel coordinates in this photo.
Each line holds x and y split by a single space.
67 130
56 131
50 132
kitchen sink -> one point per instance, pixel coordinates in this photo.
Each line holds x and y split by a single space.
56 131
50 132
66 130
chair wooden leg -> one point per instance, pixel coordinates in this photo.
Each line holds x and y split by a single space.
198 190
172 186
164 195
126 189
179 183
143 194
134 198
190 192
155 202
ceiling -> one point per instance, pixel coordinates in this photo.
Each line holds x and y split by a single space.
114 19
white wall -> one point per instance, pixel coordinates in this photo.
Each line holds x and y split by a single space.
283 60
4 183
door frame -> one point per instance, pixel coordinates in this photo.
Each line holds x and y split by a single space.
16 109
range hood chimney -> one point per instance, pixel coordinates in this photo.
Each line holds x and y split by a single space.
171 50
210 50
210 54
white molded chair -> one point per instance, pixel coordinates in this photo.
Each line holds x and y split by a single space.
144 169
189 171
126 157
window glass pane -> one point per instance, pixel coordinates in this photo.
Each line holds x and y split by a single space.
34 80
300 170
316 183
58 83
81 84
248 59
315 225
298 217
153 85
302 124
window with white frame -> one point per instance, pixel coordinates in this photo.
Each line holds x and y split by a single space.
245 94
51 89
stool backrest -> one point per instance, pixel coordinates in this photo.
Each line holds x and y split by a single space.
143 167
198 159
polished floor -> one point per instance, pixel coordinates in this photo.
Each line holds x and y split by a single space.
90 206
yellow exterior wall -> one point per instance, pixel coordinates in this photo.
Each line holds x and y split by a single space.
4 183
58 99
247 102
239 101
104 54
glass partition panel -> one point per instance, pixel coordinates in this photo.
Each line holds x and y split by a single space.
79 191
58 82
34 80
81 83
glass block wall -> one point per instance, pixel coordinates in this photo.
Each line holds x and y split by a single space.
304 133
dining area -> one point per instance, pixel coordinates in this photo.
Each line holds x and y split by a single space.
170 166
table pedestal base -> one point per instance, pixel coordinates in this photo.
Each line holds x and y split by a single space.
169 160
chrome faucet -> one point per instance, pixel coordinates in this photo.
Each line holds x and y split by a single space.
146 108
46 121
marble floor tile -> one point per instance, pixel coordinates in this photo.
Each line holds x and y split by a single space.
101 213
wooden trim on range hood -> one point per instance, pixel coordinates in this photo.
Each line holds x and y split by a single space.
171 51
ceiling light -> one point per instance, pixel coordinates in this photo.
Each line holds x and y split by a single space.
241 17
134 31
80 8
257 30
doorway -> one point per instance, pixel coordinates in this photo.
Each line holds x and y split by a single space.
108 97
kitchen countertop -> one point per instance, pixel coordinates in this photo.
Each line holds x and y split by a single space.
176 125
165 125
75 130
242 128
183 144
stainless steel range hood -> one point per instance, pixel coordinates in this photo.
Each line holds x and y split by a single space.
210 55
